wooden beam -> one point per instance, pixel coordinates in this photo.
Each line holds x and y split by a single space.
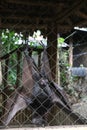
24 14
22 26
81 14
25 18
82 23
69 21
64 28
22 11
63 15
36 3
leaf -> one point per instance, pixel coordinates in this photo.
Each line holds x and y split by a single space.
60 40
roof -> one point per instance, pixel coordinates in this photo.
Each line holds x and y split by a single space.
39 14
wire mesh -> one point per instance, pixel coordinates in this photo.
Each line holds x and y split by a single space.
37 87
29 96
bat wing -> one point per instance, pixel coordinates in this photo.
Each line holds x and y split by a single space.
27 79
61 94
18 102
45 67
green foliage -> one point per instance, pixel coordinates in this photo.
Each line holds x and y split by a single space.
63 59
64 64
37 40
9 42
60 40
12 40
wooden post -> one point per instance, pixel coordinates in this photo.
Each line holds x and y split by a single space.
57 65
52 55
5 82
71 53
52 48
6 73
0 65
18 69
39 59
0 74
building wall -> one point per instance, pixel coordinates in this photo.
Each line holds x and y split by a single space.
80 56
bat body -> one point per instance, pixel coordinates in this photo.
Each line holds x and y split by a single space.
39 93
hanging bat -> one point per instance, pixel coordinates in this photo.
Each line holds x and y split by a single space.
39 93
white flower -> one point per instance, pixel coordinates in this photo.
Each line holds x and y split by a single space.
31 39
16 34
19 42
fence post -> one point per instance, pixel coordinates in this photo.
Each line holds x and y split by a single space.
18 68
52 48
0 65
5 91
71 52
57 65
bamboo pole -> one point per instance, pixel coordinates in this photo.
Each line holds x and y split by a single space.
71 53
57 65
